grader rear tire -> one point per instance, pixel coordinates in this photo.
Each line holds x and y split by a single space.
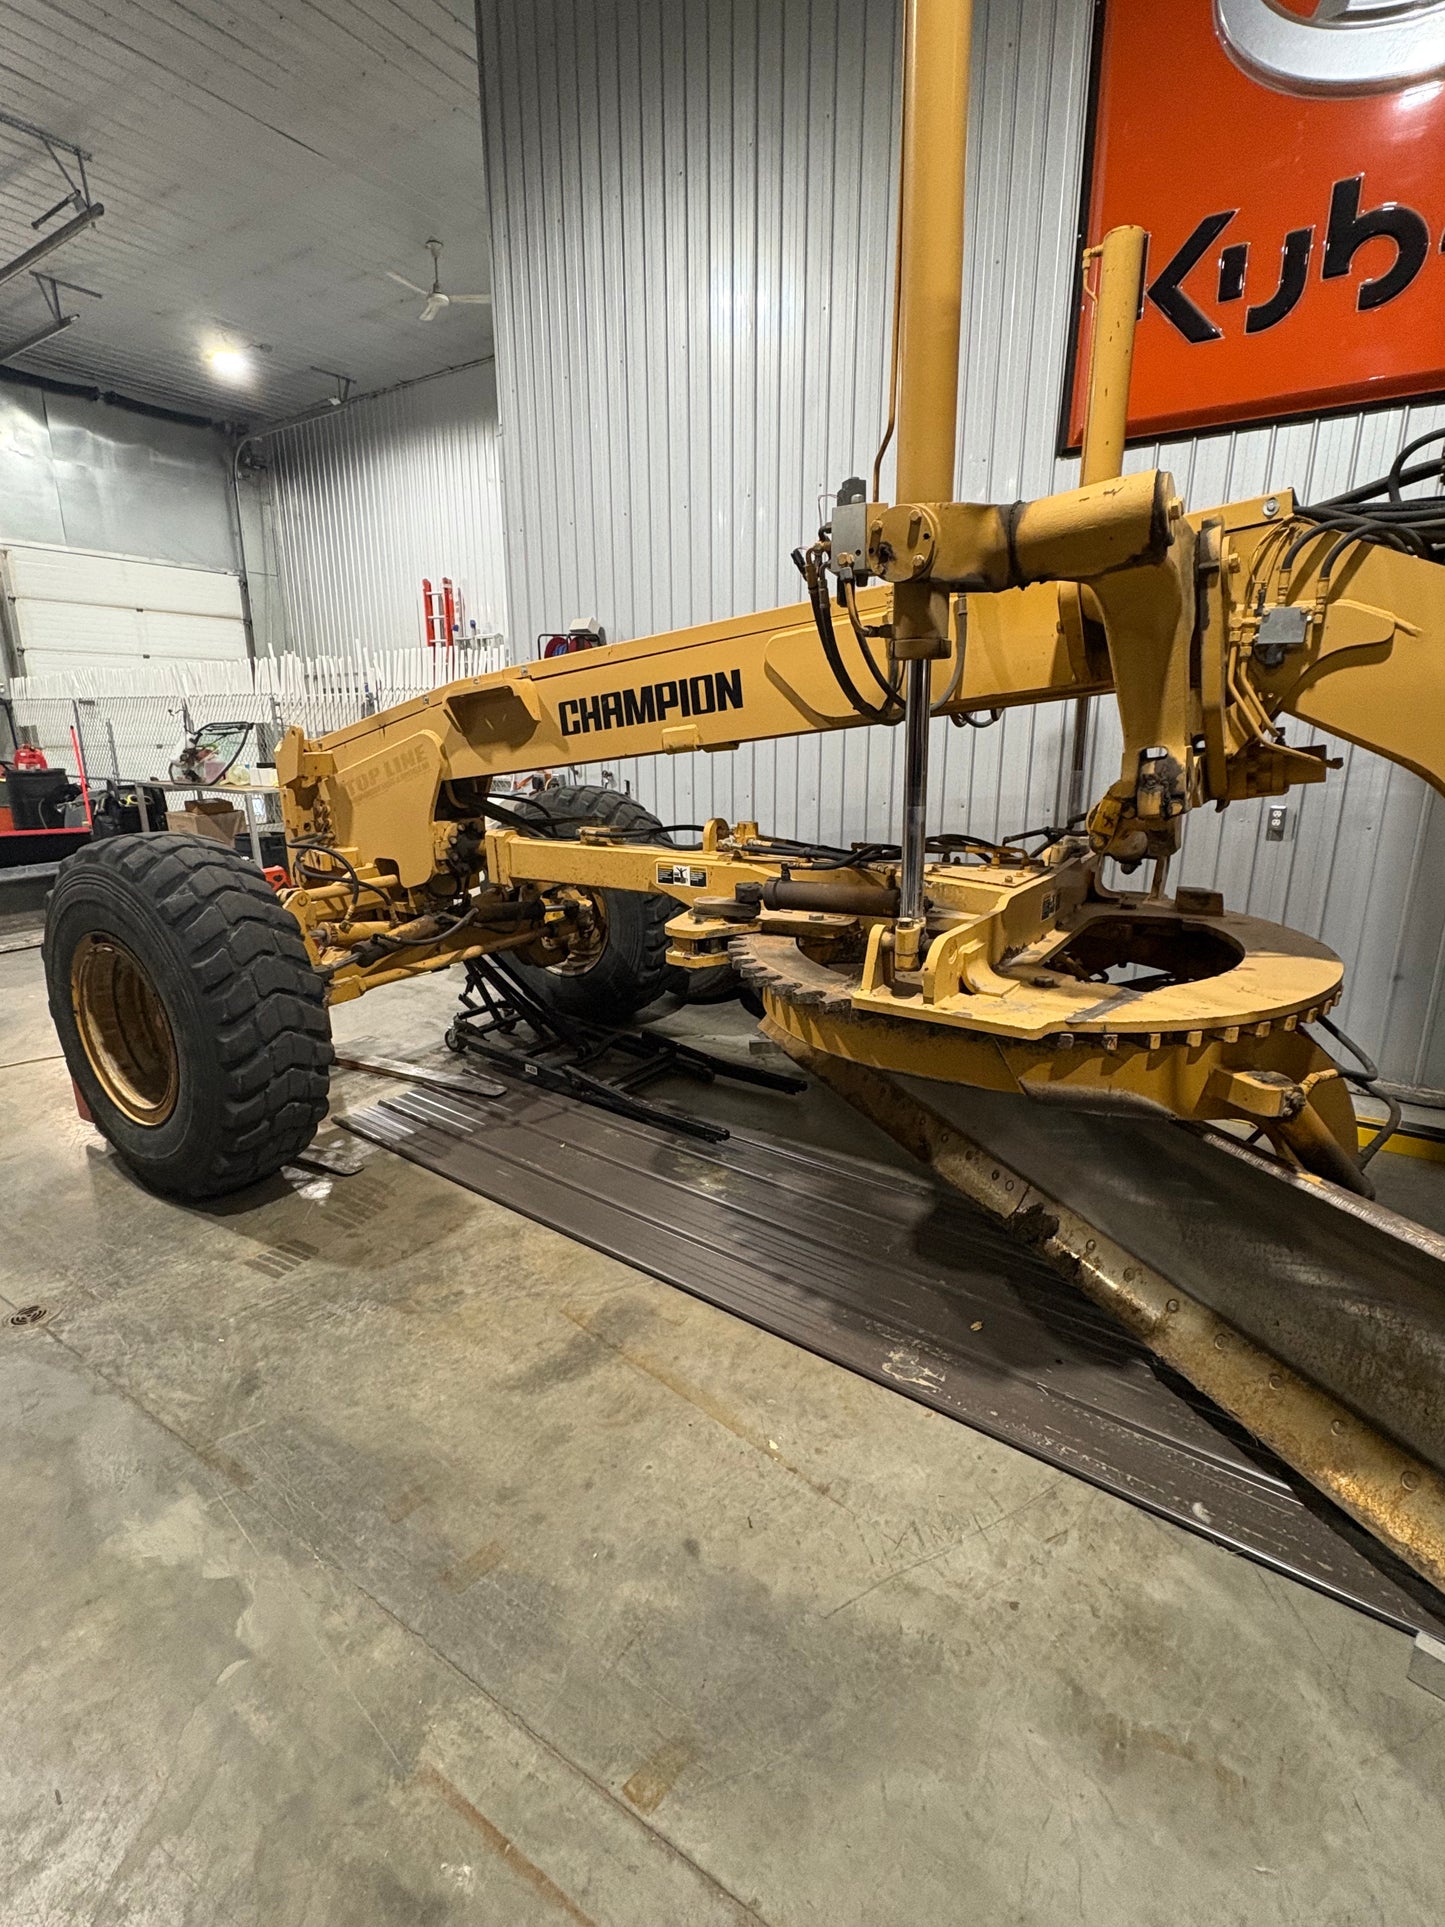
190 1015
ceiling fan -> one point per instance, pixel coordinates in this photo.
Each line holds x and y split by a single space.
437 302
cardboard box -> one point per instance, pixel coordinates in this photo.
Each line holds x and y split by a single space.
210 816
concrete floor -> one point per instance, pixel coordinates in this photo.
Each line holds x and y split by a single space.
375 1556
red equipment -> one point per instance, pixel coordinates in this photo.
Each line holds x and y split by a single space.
441 613
581 635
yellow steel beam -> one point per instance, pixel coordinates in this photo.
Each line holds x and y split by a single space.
936 56
375 786
937 37
1120 262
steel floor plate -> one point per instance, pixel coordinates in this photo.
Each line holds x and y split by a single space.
893 1276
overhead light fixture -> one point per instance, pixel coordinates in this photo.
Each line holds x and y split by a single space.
87 217
231 364
59 321
77 195
36 340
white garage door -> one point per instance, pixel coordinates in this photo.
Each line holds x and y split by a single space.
81 609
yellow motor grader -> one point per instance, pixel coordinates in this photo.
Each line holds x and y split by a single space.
191 999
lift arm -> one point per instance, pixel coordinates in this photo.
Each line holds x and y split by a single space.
1364 659
377 786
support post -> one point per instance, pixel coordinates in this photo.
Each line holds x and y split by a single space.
937 45
1120 256
937 40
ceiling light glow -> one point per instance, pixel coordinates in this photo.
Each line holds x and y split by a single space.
230 364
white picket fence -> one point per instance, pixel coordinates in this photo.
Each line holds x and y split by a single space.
130 723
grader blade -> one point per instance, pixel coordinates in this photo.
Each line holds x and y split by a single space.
1315 1319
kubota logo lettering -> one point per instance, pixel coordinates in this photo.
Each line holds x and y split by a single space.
1347 228
1295 253
652 702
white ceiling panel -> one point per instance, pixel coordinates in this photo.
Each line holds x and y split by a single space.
262 166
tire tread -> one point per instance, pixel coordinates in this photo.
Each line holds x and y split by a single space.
255 979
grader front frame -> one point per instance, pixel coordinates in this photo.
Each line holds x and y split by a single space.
1014 965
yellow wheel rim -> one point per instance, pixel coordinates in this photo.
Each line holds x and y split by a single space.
125 1030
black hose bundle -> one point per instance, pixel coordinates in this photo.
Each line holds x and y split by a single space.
1379 511
890 710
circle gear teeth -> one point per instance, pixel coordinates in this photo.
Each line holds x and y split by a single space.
776 965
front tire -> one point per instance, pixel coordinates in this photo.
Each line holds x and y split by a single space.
190 1014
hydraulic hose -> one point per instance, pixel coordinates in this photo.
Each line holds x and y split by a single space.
827 636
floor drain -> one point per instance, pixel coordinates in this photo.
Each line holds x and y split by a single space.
28 1315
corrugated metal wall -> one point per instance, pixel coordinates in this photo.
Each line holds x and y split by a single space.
691 214
365 503
692 220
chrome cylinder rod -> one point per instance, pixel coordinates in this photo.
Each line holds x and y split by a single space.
917 698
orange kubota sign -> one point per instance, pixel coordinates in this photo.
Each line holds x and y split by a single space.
1287 158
